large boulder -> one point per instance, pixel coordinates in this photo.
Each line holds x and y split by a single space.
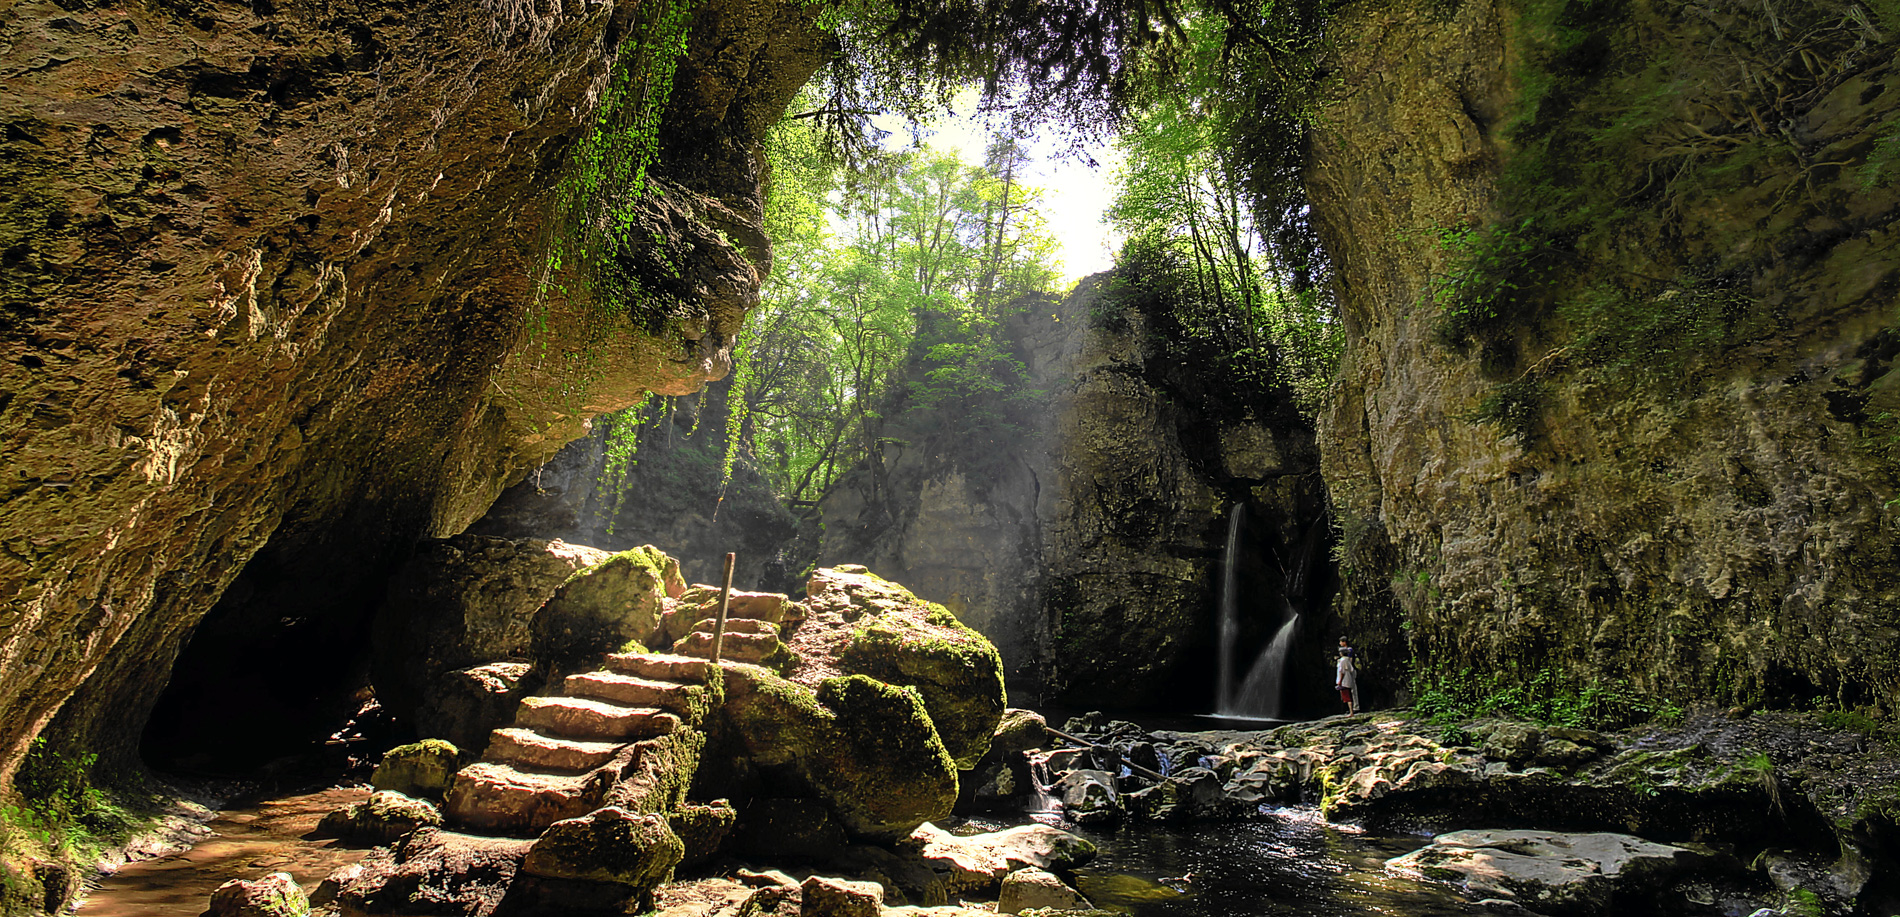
608 845
605 607
858 623
1549 872
821 896
702 828
867 749
460 602
1002 778
465 705
1033 888
431 872
979 862
386 816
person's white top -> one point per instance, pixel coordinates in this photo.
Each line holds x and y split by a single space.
1347 677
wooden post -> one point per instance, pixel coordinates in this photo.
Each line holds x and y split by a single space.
725 600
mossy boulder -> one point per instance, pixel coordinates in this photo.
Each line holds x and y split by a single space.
604 607
382 818
608 845
858 623
275 895
418 769
867 749
702 828
1019 731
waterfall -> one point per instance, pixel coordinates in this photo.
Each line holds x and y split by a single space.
1259 694
1042 800
1229 608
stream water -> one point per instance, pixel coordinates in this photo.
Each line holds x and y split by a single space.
246 843
1290 863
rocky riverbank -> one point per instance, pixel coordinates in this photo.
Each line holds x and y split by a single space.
1781 810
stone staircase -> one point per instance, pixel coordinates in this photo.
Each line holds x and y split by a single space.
753 630
569 754
617 735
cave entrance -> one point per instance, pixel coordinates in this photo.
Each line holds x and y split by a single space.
276 675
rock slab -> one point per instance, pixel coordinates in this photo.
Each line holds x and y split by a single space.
1547 871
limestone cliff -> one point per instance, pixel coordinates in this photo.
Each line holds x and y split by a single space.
270 312
1085 541
1687 478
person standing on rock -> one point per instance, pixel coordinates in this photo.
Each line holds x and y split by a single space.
1346 677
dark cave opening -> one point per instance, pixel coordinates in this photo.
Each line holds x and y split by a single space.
276 675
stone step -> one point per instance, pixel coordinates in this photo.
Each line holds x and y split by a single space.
688 701
738 647
581 718
497 798
736 626
660 667
530 750
771 607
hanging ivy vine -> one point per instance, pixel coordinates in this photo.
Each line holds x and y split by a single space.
620 443
738 408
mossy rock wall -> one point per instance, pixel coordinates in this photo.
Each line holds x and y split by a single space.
670 494
1690 486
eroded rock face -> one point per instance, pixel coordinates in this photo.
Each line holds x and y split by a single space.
1696 524
461 602
672 495
269 278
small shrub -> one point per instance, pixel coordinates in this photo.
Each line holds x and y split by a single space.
1545 697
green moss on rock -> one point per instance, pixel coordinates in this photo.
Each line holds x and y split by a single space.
900 639
608 845
867 749
606 606
381 819
418 769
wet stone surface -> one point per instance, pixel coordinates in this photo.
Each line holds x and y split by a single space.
246 843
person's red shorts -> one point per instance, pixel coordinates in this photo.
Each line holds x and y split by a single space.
1345 695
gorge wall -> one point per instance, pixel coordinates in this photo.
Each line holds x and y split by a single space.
271 310
1085 538
1686 483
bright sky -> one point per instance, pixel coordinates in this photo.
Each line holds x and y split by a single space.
1074 195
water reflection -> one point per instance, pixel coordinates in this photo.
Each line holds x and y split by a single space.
1289 864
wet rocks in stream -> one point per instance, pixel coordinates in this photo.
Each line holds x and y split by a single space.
1764 807
275 895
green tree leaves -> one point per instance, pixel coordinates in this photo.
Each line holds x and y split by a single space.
887 289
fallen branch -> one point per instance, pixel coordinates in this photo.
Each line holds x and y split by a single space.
1132 766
